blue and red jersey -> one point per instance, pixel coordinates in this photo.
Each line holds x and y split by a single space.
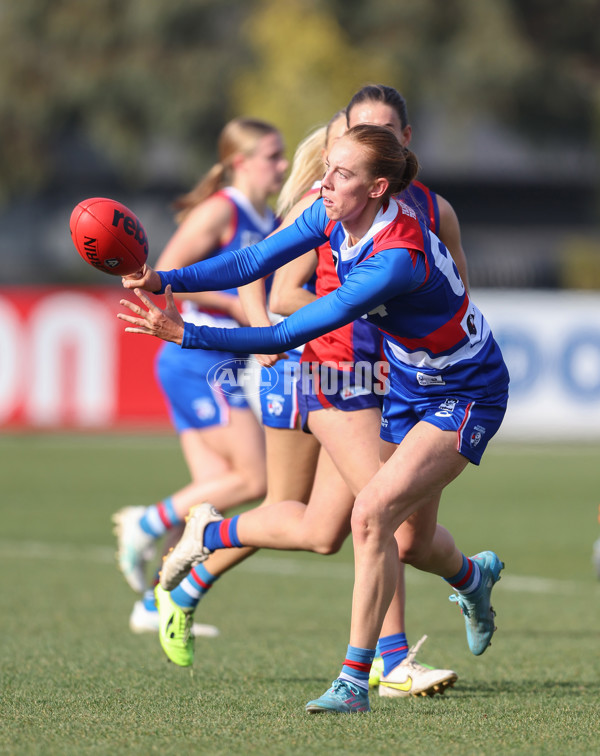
360 341
399 277
247 227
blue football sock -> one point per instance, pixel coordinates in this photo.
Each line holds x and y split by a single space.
149 601
148 598
468 579
393 649
222 535
357 666
159 518
193 587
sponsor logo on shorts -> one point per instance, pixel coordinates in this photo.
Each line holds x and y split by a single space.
446 408
430 380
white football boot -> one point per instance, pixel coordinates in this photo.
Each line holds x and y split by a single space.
410 678
190 549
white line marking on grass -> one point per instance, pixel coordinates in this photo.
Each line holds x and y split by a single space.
59 552
282 567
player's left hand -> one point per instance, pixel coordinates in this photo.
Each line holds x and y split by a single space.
165 324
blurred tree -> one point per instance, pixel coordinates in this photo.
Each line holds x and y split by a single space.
303 68
122 73
560 93
533 65
124 76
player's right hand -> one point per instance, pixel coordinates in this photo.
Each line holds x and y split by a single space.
146 278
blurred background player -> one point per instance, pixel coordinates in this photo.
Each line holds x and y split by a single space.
221 440
291 458
291 454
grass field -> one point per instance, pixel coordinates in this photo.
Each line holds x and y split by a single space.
74 680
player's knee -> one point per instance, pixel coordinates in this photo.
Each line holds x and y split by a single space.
368 521
411 553
415 550
328 545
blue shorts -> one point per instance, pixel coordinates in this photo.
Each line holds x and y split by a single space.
335 388
279 404
200 386
474 420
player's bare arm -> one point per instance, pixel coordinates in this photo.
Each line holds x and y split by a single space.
449 233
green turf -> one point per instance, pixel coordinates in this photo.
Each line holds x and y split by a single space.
74 680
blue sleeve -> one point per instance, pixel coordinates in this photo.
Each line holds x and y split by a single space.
241 266
371 283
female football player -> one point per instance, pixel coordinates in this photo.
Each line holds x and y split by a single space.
448 388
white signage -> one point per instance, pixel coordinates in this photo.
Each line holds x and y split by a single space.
551 343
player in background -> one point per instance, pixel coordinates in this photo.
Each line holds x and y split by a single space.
291 458
291 454
220 438
444 364
341 475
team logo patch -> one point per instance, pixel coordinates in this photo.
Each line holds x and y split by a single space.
204 409
477 435
348 392
275 404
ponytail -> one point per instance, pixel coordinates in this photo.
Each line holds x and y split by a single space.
239 136
214 180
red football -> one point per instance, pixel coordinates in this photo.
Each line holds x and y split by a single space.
109 236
